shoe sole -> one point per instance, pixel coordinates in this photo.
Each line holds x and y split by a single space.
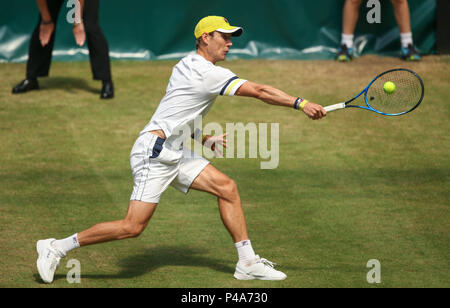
243 277
250 277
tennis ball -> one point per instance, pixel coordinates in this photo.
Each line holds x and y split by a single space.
389 87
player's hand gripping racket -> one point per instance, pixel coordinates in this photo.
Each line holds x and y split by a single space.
392 93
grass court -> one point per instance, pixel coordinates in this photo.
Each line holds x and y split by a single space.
349 188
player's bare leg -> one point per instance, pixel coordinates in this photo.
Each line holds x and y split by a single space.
215 182
50 251
249 266
137 218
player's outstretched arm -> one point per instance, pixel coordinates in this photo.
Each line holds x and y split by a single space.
274 96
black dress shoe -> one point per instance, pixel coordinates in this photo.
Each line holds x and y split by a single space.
107 90
25 86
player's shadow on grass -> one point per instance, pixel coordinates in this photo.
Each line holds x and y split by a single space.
161 256
68 84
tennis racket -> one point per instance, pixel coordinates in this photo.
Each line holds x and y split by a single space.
403 93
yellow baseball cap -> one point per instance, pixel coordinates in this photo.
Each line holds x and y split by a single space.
215 23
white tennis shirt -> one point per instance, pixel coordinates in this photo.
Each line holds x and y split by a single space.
193 87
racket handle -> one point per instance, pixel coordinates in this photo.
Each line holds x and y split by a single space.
334 107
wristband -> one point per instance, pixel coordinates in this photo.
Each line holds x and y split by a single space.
300 103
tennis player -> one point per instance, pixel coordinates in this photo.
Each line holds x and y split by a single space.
157 160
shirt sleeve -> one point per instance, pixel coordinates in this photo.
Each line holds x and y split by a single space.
222 81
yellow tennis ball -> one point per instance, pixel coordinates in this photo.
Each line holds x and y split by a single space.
389 87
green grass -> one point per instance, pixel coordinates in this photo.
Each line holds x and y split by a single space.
352 187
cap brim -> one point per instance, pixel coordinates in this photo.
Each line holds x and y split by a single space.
236 31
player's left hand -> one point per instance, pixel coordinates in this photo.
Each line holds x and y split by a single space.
216 143
79 34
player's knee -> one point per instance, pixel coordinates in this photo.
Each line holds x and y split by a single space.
229 189
131 229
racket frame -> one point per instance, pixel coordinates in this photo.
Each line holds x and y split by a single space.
346 104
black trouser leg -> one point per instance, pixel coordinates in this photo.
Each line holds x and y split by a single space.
96 42
39 58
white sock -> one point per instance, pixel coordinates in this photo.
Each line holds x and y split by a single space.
406 39
67 244
347 40
245 251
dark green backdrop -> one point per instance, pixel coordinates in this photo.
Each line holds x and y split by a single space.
287 29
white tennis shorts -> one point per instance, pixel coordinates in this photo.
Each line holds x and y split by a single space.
155 166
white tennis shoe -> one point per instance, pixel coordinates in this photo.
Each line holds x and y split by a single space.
48 259
260 268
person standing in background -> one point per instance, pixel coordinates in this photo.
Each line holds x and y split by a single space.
85 28
350 18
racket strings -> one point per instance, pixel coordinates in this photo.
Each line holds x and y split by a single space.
406 96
